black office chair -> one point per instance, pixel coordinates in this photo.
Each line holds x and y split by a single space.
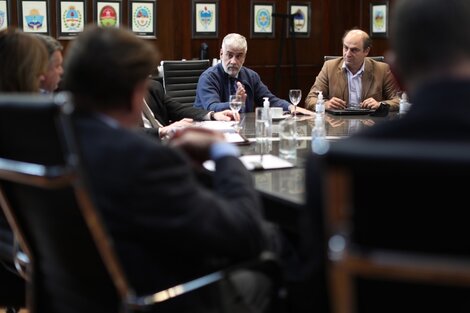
12 286
180 79
396 225
379 58
46 199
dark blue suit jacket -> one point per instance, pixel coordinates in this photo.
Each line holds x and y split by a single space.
167 227
213 90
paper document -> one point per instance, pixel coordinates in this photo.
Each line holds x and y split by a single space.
253 162
235 138
217 125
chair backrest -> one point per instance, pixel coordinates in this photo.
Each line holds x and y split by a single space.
379 58
396 224
44 195
180 79
47 201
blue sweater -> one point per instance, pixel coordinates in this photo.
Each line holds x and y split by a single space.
213 90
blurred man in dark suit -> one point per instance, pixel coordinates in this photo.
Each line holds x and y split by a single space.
168 228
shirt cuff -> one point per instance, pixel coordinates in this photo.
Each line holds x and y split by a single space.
222 149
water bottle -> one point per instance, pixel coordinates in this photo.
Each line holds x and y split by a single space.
320 105
404 104
267 112
319 143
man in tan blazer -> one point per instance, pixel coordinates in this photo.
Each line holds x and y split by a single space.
355 80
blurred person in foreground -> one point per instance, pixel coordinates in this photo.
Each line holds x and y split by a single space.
437 81
168 228
52 78
23 61
23 65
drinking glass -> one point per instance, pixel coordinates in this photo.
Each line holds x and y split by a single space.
295 95
236 103
288 139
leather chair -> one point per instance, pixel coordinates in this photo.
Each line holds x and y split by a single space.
12 286
395 225
380 58
180 79
45 196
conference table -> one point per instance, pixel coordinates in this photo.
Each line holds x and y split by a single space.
285 188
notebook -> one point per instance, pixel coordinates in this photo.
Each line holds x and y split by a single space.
350 111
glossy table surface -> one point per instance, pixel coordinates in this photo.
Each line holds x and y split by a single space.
289 184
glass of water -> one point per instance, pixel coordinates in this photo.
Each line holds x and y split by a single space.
295 95
236 103
288 140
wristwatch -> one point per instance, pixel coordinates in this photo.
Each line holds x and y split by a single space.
384 105
211 115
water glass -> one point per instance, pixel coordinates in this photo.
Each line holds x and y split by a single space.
294 96
236 104
288 139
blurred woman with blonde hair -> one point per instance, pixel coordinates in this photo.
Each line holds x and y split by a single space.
23 63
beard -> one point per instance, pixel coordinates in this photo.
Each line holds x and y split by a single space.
231 70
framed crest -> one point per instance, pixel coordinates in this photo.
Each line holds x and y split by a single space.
4 14
262 22
143 18
33 16
71 18
107 13
300 15
379 19
205 18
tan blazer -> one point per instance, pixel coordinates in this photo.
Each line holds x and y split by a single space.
377 82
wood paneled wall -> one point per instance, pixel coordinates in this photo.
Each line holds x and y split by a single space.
329 20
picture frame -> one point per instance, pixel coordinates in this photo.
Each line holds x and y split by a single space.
143 18
4 14
205 18
262 21
33 16
107 13
379 19
301 19
71 18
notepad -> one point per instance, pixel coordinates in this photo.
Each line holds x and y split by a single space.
253 162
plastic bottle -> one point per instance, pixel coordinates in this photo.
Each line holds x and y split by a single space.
319 143
404 104
320 105
268 116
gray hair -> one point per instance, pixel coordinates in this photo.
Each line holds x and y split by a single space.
52 45
235 40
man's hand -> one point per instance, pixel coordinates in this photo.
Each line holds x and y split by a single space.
335 103
226 115
196 142
241 92
370 103
300 110
172 128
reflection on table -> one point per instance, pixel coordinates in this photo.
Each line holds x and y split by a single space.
287 185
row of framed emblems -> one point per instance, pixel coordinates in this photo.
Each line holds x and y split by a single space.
34 16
